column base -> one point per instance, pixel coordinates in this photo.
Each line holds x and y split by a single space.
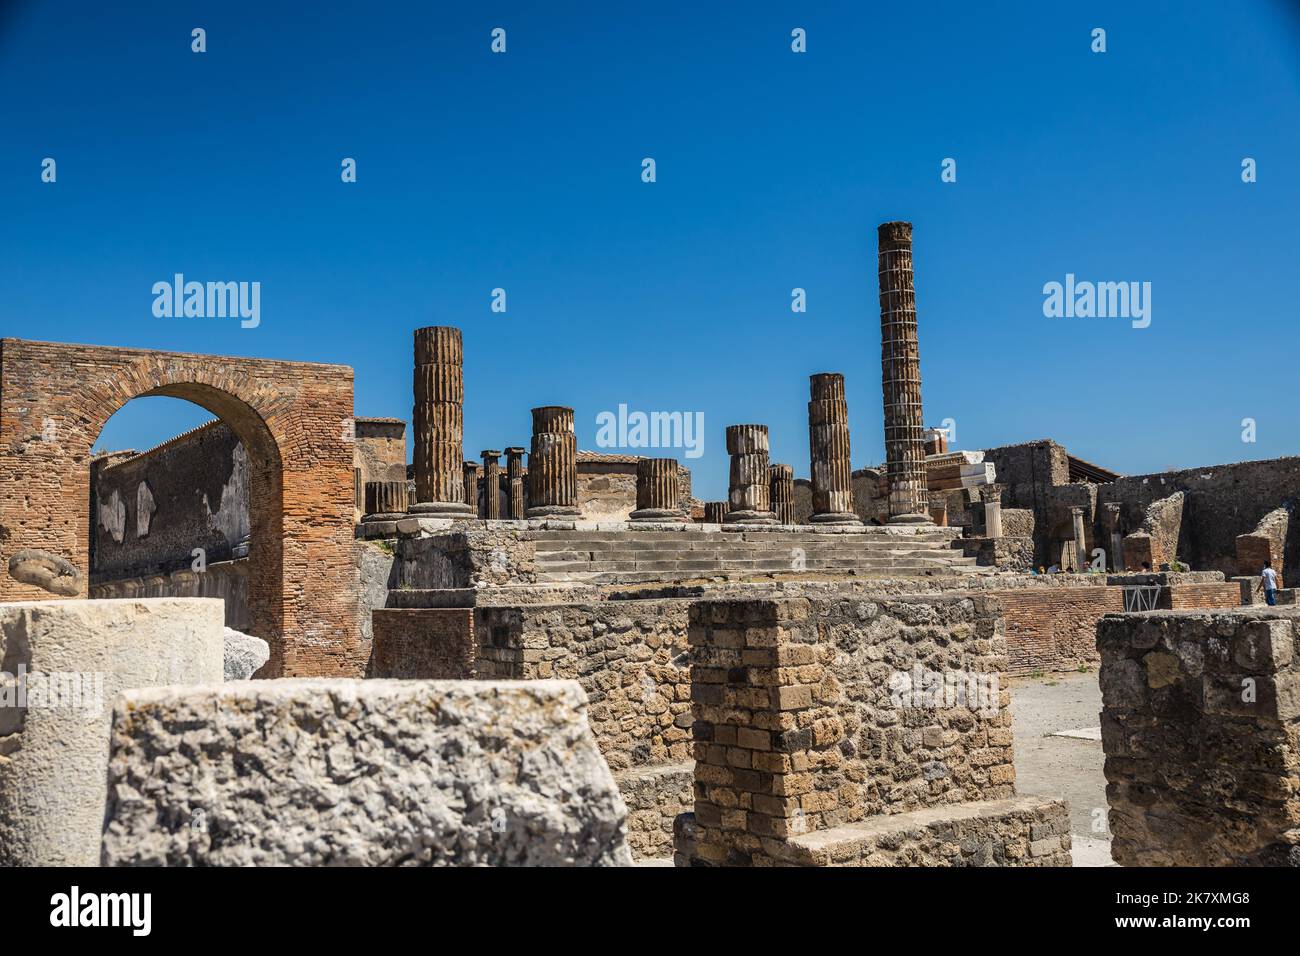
447 509
656 514
836 517
915 519
383 516
750 517
554 511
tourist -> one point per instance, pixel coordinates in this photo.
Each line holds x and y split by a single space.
1268 577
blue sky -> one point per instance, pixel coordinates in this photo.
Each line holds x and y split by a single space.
523 171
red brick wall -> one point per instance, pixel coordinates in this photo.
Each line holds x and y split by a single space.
424 644
1055 628
294 420
1217 594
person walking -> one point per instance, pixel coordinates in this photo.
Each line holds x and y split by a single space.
1268 577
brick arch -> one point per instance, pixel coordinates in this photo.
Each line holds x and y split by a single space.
293 419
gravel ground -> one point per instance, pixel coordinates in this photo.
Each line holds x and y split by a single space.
1063 766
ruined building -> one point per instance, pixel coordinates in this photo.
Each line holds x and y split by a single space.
759 674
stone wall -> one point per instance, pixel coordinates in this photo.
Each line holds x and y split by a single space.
1054 628
227 580
812 717
152 510
424 644
1201 727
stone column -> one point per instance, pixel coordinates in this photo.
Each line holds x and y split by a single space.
658 492
992 519
900 365
385 500
828 446
1080 541
715 512
515 476
780 481
749 495
491 483
553 464
470 474
439 423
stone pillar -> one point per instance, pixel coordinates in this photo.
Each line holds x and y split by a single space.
553 464
439 422
992 519
715 512
1110 522
491 484
1080 541
828 446
470 474
385 500
780 480
658 492
515 476
749 495
54 772
900 369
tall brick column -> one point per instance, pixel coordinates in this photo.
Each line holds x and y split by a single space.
780 480
828 446
553 464
900 371
470 474
491 483
658 491
749 494
515 476
439 422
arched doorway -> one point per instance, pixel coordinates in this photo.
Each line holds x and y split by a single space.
294 422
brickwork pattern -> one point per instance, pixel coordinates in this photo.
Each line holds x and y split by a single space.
294 421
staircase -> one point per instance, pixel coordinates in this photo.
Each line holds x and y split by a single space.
629 557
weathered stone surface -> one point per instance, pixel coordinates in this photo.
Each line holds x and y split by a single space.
439 390
1201 727
45 570
828 447
370 773
244 654
553 464
901 376
75 658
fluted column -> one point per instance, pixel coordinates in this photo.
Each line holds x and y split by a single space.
715 512
749 495
553 464
470 473
658 491
385 500
900 369
491 483
993 519
828 447
439 422
780 480
515 478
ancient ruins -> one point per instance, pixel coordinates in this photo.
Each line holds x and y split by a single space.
814 672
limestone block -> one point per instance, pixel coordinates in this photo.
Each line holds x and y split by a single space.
45 570
361 773
70 660
244 654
